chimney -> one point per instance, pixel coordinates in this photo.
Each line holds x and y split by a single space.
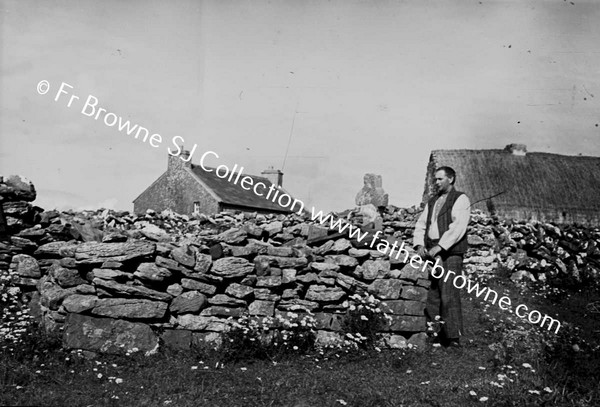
179 161
516 149
275 176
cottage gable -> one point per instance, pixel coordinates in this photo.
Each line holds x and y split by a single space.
187 188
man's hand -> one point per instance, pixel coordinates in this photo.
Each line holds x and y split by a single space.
422 252
434 251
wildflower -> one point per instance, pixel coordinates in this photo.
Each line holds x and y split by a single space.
118 380
481 368
472 393
548 389
484 399
534 392
99 375
526 365
194 367
342 402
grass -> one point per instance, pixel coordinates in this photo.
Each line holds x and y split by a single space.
39 372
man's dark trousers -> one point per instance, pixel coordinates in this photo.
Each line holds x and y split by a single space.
443 299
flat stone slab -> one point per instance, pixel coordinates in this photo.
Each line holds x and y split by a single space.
132 308
97 253
107 335
131 290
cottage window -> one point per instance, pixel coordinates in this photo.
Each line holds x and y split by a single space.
196 207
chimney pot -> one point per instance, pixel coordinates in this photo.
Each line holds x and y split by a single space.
275 176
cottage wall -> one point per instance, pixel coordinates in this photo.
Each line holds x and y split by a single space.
177 189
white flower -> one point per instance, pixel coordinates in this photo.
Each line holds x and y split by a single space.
118 380
472 393
194 367
364 318
526 365
483 399
342 402
534 392
99 375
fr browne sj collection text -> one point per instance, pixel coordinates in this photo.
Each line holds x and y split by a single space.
92 109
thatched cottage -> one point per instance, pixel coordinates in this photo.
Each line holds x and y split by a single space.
514 183
187 188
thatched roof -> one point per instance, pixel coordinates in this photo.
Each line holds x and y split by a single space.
551 185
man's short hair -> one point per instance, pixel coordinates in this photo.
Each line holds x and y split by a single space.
450 173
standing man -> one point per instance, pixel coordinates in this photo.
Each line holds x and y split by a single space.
441 232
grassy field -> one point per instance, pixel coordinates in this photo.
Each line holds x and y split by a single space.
503 363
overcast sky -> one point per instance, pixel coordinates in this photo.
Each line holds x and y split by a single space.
369 86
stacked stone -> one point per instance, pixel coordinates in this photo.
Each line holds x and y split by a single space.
481 259
538 251
123 291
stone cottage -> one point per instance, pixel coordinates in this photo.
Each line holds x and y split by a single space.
187 188
514 183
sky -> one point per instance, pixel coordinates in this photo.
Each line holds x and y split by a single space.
326 91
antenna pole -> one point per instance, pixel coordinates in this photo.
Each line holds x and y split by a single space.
290 139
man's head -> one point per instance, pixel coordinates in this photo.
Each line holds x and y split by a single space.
444 179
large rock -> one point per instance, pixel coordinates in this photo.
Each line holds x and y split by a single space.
349 283
88 232
231 236
97 253
268 281
131 290
262 308
132 308
191 301
51 250
110 274
152 272
203 263
297 305
281 262
386 289
411 273
155 233
107 335
240 291
403 307
324 266
204 288
273 228
80 303
227 301
16 188
201 323
342 260
52 295
230 267
372 192
224 312
66 277
413 293
183 255
321 293
372 269
25 266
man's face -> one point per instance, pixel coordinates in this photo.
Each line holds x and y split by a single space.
442 182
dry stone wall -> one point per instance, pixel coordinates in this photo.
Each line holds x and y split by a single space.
112 281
